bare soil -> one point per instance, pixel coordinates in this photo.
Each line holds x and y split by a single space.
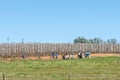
104 54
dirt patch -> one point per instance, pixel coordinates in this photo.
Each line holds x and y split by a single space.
104 54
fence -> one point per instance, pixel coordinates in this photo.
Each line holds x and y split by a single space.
65 76
52 76
62 76
36 49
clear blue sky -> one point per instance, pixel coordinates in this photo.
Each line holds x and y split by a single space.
58 20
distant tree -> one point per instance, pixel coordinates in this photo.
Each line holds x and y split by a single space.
108 41
80 40
112 41
97 40
76 41
91 41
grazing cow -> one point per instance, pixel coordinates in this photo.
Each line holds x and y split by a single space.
65 56
81 55
72 55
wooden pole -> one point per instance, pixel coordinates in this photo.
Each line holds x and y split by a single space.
3 76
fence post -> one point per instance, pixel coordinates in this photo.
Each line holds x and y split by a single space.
3 76
69 77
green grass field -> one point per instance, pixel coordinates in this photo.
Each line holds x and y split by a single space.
100 68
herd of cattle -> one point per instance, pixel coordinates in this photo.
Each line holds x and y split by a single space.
71 56
66 56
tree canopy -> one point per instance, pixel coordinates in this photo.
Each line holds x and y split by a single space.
96 40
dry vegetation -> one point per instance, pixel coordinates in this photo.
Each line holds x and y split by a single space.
34 51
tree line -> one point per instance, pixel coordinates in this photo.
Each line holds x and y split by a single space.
95 40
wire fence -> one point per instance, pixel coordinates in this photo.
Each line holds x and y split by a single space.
59 76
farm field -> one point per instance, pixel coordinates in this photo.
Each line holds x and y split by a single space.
97 68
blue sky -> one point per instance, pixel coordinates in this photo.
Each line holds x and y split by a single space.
58 21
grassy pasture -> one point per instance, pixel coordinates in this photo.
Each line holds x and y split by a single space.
98 68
